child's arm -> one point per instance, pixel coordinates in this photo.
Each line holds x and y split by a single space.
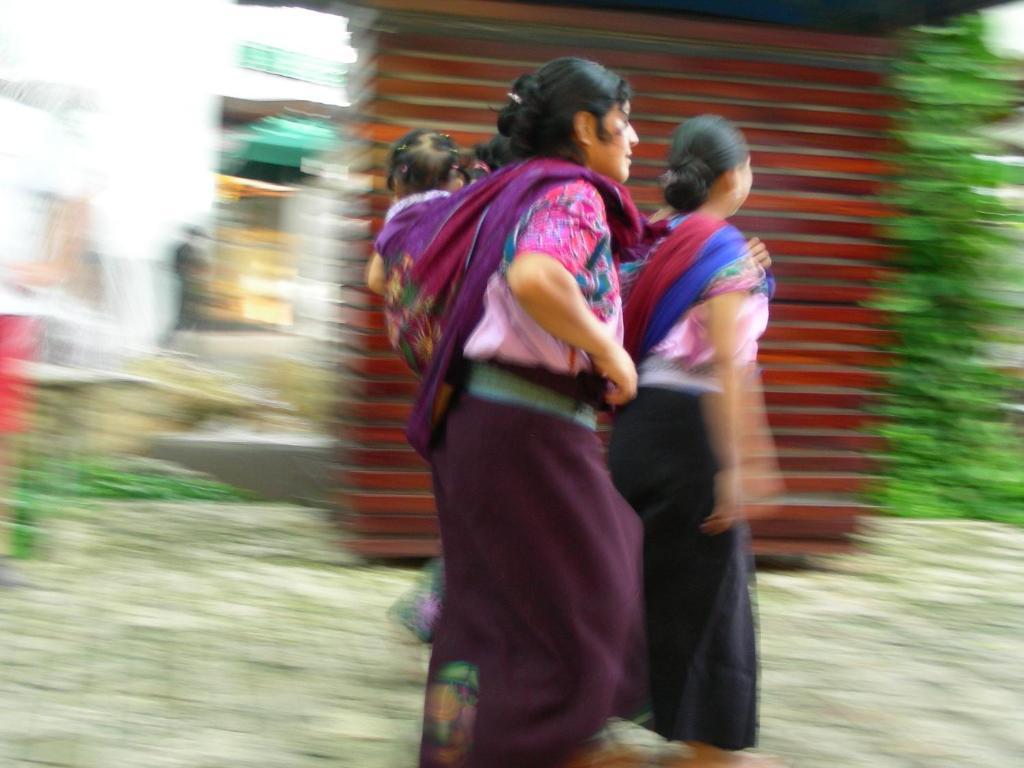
375 274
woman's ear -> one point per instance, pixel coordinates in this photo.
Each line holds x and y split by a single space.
584 128
729 181
735 184
731 185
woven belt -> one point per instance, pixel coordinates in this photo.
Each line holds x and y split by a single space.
489 382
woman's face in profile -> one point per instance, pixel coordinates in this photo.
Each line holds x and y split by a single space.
611 155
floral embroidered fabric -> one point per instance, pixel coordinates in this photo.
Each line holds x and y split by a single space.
569 224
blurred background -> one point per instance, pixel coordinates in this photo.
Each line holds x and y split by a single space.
209 508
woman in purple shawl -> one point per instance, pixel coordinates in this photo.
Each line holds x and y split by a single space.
541 631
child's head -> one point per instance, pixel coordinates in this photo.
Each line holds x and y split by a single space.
709 161
423 160
489 156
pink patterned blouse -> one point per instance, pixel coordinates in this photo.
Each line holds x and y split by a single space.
568 224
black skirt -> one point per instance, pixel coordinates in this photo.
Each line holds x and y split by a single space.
700 623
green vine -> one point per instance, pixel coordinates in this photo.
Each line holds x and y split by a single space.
951 448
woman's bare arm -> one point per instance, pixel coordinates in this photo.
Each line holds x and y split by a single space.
726 409
550 295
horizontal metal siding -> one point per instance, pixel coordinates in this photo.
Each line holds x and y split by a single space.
816 114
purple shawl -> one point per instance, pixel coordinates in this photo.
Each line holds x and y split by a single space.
459 240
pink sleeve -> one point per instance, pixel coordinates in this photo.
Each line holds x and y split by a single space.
566 224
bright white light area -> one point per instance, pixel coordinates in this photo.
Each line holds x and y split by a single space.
323 35
1004 159
152 129
1006 29
261 86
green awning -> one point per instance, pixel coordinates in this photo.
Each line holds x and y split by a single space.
284 141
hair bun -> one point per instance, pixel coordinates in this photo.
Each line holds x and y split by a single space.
687 183
537 118
702 149
523 99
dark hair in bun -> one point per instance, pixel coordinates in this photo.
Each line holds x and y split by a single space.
703 148
489 156
538 118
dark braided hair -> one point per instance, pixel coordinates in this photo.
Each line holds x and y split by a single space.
423 160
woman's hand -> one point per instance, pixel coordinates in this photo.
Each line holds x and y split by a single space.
728 503
617 366
758 251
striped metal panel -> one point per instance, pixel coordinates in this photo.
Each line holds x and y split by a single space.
816 112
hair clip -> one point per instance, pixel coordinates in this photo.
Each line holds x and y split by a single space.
515 97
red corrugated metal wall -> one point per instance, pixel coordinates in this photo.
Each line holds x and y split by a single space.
815 111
